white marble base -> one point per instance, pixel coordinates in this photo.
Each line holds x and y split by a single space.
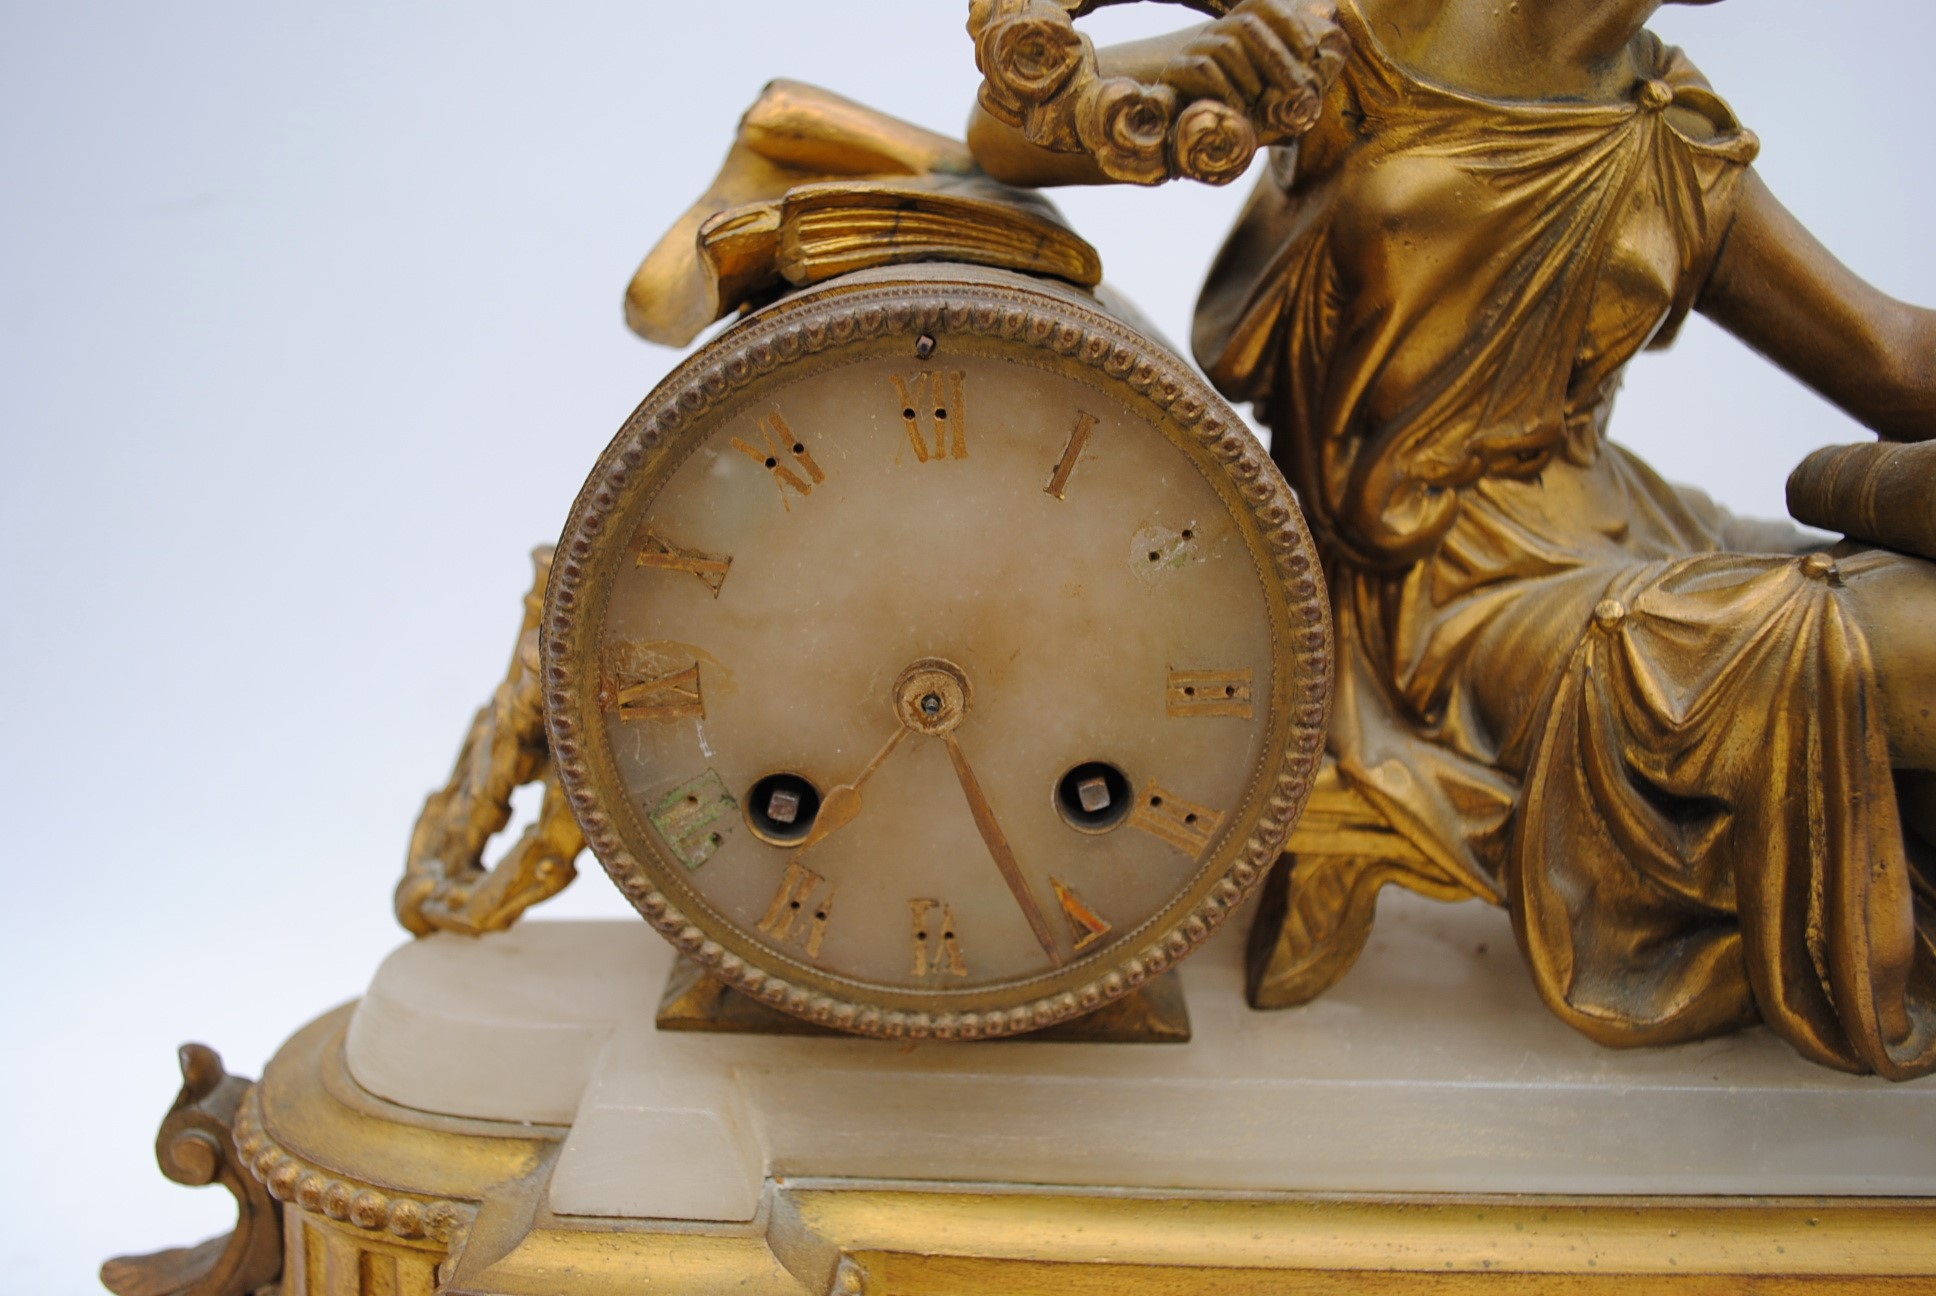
1432 1067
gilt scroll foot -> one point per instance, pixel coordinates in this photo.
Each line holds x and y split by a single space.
196 1147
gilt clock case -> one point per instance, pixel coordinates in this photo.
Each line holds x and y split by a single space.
934 655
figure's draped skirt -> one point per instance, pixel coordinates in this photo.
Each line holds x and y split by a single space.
1662 755
1647 728
1708 823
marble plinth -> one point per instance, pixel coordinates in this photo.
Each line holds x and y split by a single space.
1431 1068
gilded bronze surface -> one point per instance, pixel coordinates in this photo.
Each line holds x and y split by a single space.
816 186
1877 492
1693 755
197 1147
852 1241
1317 907
382 1200
1155 1013
1144 121
445 885
1689 754
377 1199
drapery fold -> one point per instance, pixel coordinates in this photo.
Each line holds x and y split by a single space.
1647 728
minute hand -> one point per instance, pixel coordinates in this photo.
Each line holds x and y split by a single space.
991 833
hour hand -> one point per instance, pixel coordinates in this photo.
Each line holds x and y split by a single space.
841 804
920 707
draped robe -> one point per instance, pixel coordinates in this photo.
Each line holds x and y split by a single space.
1646 727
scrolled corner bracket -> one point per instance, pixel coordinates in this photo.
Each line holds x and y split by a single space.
1041 75
445 885
196 1147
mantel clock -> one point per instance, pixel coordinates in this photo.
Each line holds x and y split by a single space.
934 656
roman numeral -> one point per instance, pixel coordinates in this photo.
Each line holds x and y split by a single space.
662 697
1183 824
936 948
1085 924
1059 480
800 908
689 818
1208 693
778 443
940 398
654 550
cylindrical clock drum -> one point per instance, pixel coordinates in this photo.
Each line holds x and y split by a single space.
933 654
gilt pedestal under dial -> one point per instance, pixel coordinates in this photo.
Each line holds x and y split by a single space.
933 654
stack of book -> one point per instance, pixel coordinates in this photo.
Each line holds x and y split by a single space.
1882 492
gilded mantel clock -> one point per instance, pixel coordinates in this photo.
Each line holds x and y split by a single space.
933 654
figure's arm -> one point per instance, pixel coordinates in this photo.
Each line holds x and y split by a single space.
1007 155
1779 290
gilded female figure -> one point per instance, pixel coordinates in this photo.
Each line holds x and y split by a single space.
1691 757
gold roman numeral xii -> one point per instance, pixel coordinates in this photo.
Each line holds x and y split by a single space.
941 400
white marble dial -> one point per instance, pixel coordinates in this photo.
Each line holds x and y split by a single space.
871 624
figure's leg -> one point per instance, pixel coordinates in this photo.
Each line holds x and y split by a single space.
1894 601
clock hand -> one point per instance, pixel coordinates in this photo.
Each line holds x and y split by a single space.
841 804
991 833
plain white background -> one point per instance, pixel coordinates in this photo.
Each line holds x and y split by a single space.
309 330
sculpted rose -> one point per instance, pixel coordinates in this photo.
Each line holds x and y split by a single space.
1214 142
1287 114
1030 58
1125 126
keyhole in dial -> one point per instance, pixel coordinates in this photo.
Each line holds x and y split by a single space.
1093 797
781 808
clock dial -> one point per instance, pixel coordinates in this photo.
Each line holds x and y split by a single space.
944 679
912 556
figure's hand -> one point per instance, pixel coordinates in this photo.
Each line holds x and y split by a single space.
1270 60
1254 77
